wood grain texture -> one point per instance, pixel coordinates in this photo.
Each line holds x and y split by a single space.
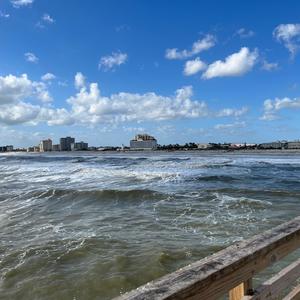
294 294
272 288
215 275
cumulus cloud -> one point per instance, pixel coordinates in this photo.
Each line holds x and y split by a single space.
89 107
21 3
48 77
79 80
31 57
289 36
18 113
47 19
244 33
200 45
55 116
272 107
192 67
14 89
110 62
231 126
232 112
235 64
269 66
4 15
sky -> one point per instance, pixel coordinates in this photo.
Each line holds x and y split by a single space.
183 71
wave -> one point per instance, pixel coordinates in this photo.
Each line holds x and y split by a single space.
223 178
109 194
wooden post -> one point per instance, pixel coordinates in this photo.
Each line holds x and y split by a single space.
243 289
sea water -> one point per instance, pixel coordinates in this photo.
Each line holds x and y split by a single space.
94 225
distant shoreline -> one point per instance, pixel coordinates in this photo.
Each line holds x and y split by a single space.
200 151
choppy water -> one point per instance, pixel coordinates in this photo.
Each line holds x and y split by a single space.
89 226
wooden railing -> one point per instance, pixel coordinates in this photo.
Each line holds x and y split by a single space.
231 271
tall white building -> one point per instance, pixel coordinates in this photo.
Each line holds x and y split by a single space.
46 145
143 142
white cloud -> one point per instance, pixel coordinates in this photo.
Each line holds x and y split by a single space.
41 92
48 77
231 126
47 19
57 116
89 107
133 129
235 64
202 44
272 107
20 3
268 66
79 80
110 62
4 15
18 113
244 33
231 112
193 66
289 36
14 89
31 57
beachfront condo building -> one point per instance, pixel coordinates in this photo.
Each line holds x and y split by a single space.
81 146
46 145
65 143
143 142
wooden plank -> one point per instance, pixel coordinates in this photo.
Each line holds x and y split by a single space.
272 288
294 294
241 290
237 293
215 275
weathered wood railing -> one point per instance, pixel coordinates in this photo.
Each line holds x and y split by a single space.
231 271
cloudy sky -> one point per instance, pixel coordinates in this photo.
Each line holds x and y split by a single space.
102 71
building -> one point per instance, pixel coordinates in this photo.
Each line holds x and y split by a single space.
65 143
56 147
7 148
81 146
274 145
203 146
46 145
293 145
143 142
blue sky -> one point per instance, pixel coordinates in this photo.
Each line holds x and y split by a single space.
102 71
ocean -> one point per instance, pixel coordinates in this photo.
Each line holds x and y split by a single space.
94 225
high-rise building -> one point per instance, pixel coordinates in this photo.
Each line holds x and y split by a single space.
10 148
46 145
81 146
65 143
56 147
143 142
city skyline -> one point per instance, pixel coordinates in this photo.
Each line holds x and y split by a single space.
105 71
